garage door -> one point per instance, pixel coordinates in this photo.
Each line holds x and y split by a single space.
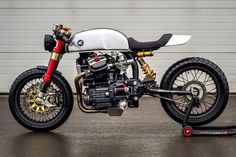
24 23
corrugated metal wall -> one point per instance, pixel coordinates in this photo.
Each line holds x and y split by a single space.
24 23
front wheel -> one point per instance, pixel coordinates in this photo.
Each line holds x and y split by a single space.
39 117
207 78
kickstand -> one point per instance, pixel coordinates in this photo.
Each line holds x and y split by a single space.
188 111
188 130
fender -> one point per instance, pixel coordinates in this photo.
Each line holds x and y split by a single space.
44 68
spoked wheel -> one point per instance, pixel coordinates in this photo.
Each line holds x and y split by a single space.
205 87
209 83
40 117
40 112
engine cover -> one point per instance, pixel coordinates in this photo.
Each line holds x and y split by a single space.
98 64
97 97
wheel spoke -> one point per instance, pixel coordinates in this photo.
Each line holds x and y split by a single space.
200 75
192 74
201 107
195 74
208 80
183 101
211 98
196 110
186 76
210 84
206 77
211 90
207 104
184 80
180 80
176 84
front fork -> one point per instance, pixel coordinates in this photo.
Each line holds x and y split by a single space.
52 66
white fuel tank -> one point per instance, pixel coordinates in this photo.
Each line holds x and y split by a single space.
98 39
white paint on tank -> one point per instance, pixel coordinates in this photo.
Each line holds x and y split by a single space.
98 39
178 40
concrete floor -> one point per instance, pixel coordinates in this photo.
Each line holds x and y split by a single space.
145 132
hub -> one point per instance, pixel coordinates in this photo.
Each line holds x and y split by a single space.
32 103
197 88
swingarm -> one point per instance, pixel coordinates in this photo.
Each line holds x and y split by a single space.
155 90
188 130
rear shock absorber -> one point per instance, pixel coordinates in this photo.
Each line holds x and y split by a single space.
145 67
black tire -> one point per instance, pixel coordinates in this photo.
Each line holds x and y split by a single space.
213 71
14 101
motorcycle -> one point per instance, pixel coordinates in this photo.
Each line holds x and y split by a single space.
41 99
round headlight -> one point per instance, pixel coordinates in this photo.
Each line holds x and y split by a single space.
49 42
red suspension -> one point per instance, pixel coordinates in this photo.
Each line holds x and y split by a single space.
53 61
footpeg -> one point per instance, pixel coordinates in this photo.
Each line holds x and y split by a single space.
114 111
117 111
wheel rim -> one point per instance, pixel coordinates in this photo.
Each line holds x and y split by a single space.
204 82
37 113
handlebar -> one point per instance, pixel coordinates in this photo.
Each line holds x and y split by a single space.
62 32
65 39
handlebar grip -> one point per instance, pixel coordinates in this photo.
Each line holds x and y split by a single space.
65 39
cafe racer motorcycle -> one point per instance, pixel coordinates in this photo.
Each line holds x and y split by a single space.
41 99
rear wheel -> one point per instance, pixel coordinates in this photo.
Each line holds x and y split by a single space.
39 117
211 85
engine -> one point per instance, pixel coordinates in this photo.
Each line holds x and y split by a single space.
106 82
